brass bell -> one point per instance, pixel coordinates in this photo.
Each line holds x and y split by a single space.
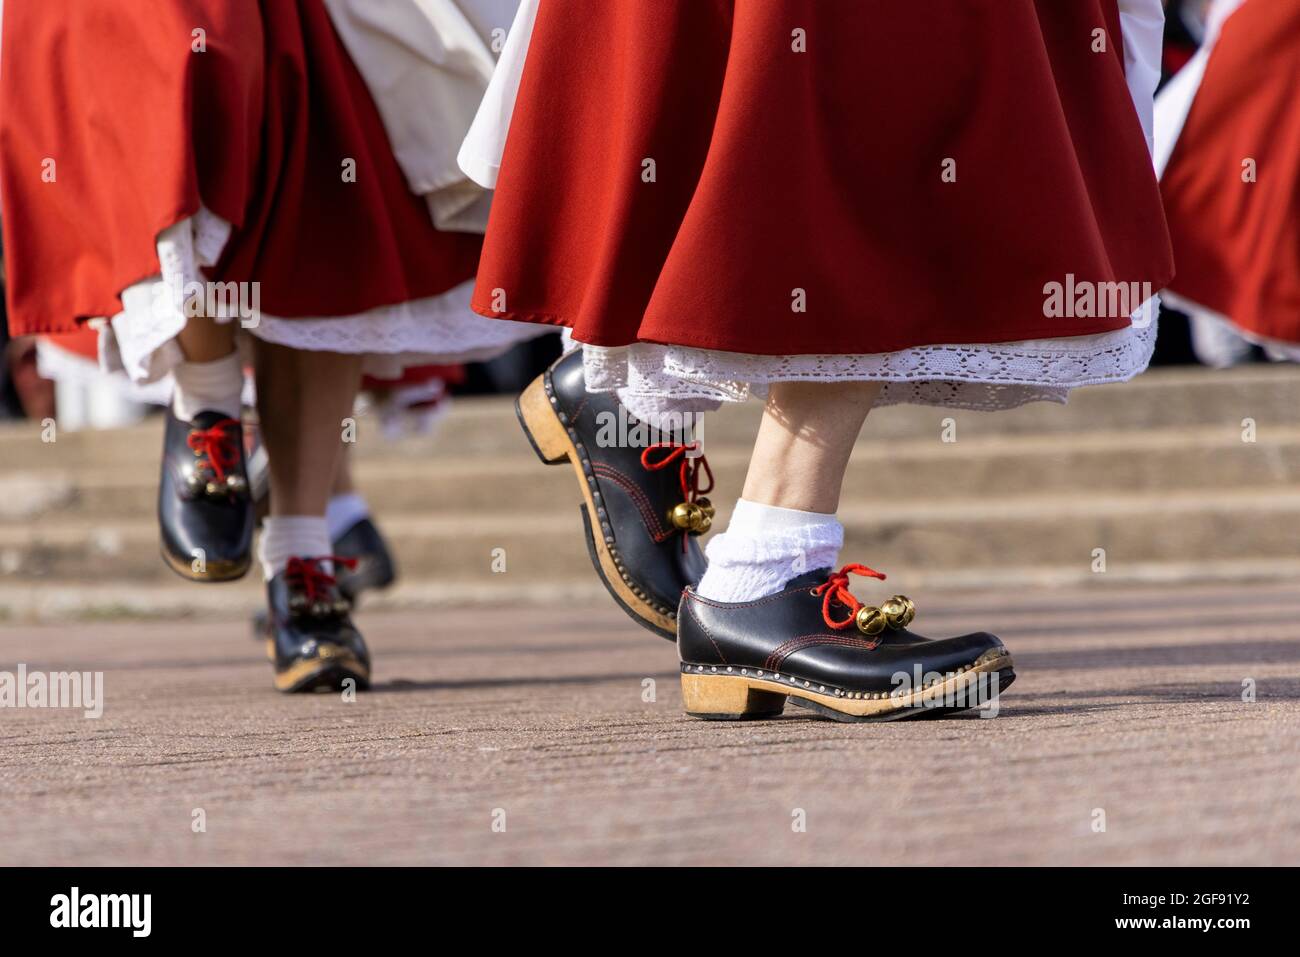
686 516
213 488
899 611
707 507
870 620
236 484
341 606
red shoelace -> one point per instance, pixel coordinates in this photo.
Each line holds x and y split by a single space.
217 446
662 455
309 577
836 589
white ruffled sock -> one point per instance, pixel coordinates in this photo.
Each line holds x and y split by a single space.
344 511
215 386
292 536
764 547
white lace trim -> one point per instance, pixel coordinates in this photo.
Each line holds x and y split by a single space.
975 376
440 329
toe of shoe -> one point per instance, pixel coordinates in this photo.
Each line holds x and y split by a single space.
948 654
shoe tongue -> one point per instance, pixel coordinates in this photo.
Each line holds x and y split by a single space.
808 579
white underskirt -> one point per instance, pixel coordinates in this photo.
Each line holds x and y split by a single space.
438 330
977 376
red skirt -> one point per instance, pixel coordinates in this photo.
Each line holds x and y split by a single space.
781 175
1237 242
114 126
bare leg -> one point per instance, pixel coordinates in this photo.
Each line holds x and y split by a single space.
804 443
205 340
303 398
343 482
784 524
303 401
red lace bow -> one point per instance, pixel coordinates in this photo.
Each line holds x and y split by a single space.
691 468
217 445
836 589
308 576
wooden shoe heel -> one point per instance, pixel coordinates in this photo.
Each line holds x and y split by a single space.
727 697
541 423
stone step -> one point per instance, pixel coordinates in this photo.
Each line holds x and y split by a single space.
1201 457
1162 398
1063 529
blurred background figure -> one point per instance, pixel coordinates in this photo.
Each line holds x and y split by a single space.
1228 151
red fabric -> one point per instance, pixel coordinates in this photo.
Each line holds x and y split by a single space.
1177 57
819 171
1238 243
84 343
415 375
143 130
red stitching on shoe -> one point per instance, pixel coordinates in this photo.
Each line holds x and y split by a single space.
784 651
750 604
651 518
686 606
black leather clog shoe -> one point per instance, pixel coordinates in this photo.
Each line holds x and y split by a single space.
643 501
205 511
815 644
372 568
312 641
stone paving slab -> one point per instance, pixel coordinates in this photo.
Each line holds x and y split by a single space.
1128 704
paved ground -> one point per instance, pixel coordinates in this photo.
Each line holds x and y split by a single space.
1129 702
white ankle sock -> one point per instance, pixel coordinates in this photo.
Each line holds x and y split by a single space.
344 511
764 547
291 536
214 386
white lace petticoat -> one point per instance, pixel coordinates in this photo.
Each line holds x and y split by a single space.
977 376
141 340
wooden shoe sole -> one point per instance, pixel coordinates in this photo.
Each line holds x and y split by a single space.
554 446
214 571
312 674
719 693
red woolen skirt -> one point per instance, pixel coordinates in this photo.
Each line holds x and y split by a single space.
1237 241
114 126
677 172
